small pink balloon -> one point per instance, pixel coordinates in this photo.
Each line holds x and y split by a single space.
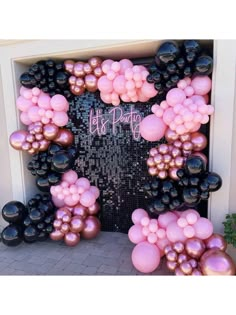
60 119
175 96
83 182
145 257
138 214
44 101
148 90
59 103
182 222
69 201
152 128
189 231
165 219
119 84
95 191
24 117
191 218
169 117
70 177
105 85
201 85
203 228
136 235
189 211
125 64
152 238
87 199
175 233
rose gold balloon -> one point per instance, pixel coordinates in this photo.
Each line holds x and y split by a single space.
182 257
35 145
30 138
195 247
98 72
186 268
166 158
178 247
26 146
61 212
65 228
80 83
193 263
199 141
92 227
171 265
66 218
64 137
150 162
95 62
56 235
76 90
71 239
77 224
69 65
87 68
79 69
81 211
187 146
196 272
44 144
202 155
50 131
152 171
216 241
161 166
158 158
179 161
186 137
31 151
167 249
57 224
162 174
94 209
177 144
215 262
175 152
39 137
173 173
171 135
72 80
91 82
179 272
186 152
163 148
153 152
171 256
17 138
172 163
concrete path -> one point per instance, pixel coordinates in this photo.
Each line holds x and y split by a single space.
108 254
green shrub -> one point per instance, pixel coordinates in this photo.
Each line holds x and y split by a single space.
230 229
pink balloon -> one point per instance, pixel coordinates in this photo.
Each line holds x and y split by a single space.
70 177
203 228
138 214
106 98
175 233
44 101
60 119
33 114
125 64
145 257
83 182
135 234
69 201
161 244
59 103
24 117
152 128
185 213
119 84
105 85
165 219
169 116
175 96
196 98
148 89
201 85
95 191
57 202
23 104
87 199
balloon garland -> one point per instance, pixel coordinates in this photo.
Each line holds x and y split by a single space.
179 78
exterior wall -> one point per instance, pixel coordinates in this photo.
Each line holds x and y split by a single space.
16 182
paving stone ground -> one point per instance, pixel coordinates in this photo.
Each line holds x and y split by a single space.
108 254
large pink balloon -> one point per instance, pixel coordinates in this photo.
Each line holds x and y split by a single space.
70 177
145 257
87 199
148 90
152 128
201 85
135 234
138 214
175 233
60 119
59 103
166 218
175 96
203 228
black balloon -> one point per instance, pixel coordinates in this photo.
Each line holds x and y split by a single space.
195 165
14 212
214 181
167 53
42 236
62 161
12 235
36 216
30 234
204 65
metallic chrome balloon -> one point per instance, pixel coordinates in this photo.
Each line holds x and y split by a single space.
186 268
199 141
178 247
171 265
171 256
91 82
94 209
72 239
56 235
195 247
50 131
81 211
64 137
77 224
61 212
69 66
17 138
95 62
92 227
78 70
216 241
215 262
